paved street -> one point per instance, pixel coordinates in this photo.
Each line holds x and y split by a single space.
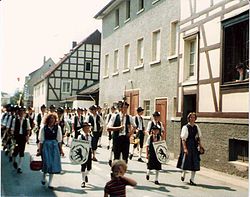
210 183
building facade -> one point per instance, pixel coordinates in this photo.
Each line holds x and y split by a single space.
213 40
139 55
32 79
76 71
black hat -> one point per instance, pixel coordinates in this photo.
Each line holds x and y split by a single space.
60 110
43 106
155 127
124 104
52 107
156 113
93 107
140 109
86 124
113 107
79 109
85 109
22 108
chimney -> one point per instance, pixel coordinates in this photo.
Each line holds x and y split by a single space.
44 59
74 43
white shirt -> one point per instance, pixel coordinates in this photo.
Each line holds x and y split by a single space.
139 118
184 132
149 125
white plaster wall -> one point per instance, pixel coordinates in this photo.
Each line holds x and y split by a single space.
202 5
213 31
83 104
235 102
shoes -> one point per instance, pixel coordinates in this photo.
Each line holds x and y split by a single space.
94 159
43 182
83 184
157 183
110 163
15 165
108 147
182 178
86 179
130 156
140 160
19 171
100 146
192 183
147 177
50 187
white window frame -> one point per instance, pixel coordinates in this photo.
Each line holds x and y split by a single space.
116 61
117 18
128 10
156 46
187 54
126 57
140 52
141 5
85 65
173 44
63 86
106 66
147 110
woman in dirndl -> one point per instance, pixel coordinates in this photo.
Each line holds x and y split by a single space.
189 159
50 147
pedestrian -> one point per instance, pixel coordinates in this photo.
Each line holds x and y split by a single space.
189 158
123 127
140 133
39 120
153 163
87 166
113 111
117 185
62 122
99 112
156 121
21 130
50 147
96 122
77 122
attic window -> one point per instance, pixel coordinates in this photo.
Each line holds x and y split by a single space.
88 66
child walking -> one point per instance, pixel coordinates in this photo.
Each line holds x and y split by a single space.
117 185
153 163
88 164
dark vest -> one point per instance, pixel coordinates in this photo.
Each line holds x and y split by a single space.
24 126
92 122
117 123
158 123
76 119
39 119
62 123
137 122
50 134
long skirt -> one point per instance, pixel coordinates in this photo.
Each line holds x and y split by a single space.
51 157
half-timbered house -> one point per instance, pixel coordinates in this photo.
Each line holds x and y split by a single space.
213 41
75 72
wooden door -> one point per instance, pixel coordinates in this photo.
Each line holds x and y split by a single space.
161 106
132 98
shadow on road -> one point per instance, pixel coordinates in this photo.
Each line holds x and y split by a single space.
215 187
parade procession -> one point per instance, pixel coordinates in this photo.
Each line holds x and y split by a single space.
146 98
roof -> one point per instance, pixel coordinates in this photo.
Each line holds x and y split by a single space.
110 6
90 90
94 38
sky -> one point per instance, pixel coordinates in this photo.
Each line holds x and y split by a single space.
32 29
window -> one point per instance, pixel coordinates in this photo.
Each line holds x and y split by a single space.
238 150
117 18
140 51
106 68
116 61
127 9
140 4
88 66
173 38
66 86
190 58
126 56
156 46
236 48
147 108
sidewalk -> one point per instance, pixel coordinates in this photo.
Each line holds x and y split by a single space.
217 175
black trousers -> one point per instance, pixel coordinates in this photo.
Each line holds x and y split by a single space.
121 146
20 145
88 163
